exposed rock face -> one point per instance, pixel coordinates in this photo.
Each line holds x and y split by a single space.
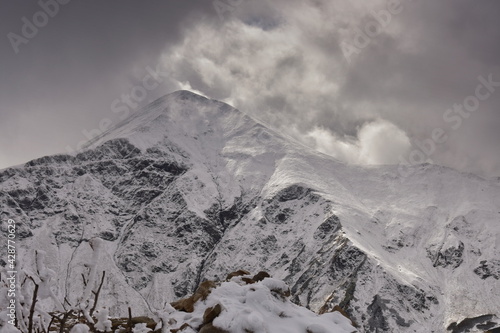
485 323
488 268
189 187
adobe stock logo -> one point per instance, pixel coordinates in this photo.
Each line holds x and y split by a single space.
373 27
30 28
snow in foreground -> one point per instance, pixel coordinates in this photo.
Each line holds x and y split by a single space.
259 307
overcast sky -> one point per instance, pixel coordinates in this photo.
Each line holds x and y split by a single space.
369 82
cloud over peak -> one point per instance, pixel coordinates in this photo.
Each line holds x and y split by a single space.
284 63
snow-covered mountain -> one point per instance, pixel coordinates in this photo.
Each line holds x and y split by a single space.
190 186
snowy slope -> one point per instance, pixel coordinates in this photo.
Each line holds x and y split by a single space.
193 187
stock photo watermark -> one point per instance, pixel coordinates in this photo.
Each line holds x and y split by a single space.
126 103
454 118
30 27
378 22
11 271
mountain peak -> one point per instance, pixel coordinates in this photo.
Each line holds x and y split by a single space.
181 96
178 114
187 95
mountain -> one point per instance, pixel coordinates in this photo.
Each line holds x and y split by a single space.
189 189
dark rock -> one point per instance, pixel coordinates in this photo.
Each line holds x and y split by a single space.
417 298
377 321
149 250
112 149
248 280
346 261
107 235
164 267
150 323
204 289
276 215
237 273
330 226
340 310
484 323
260 276
54 159
211 313
488 269
187 304
293 192
379 310
170 168
180 329
210 328
24 234
451 256
128 262
142 282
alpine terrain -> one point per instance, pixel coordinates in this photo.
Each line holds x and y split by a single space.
189 189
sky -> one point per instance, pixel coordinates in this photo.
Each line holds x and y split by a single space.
372 83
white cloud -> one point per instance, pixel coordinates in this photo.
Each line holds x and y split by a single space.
378 142
382 143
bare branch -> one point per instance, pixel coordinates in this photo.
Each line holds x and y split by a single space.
129 323
84 281
32 308
63 321
96 294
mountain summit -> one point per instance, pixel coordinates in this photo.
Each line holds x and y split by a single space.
189 188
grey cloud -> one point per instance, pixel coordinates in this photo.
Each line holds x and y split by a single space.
427 59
